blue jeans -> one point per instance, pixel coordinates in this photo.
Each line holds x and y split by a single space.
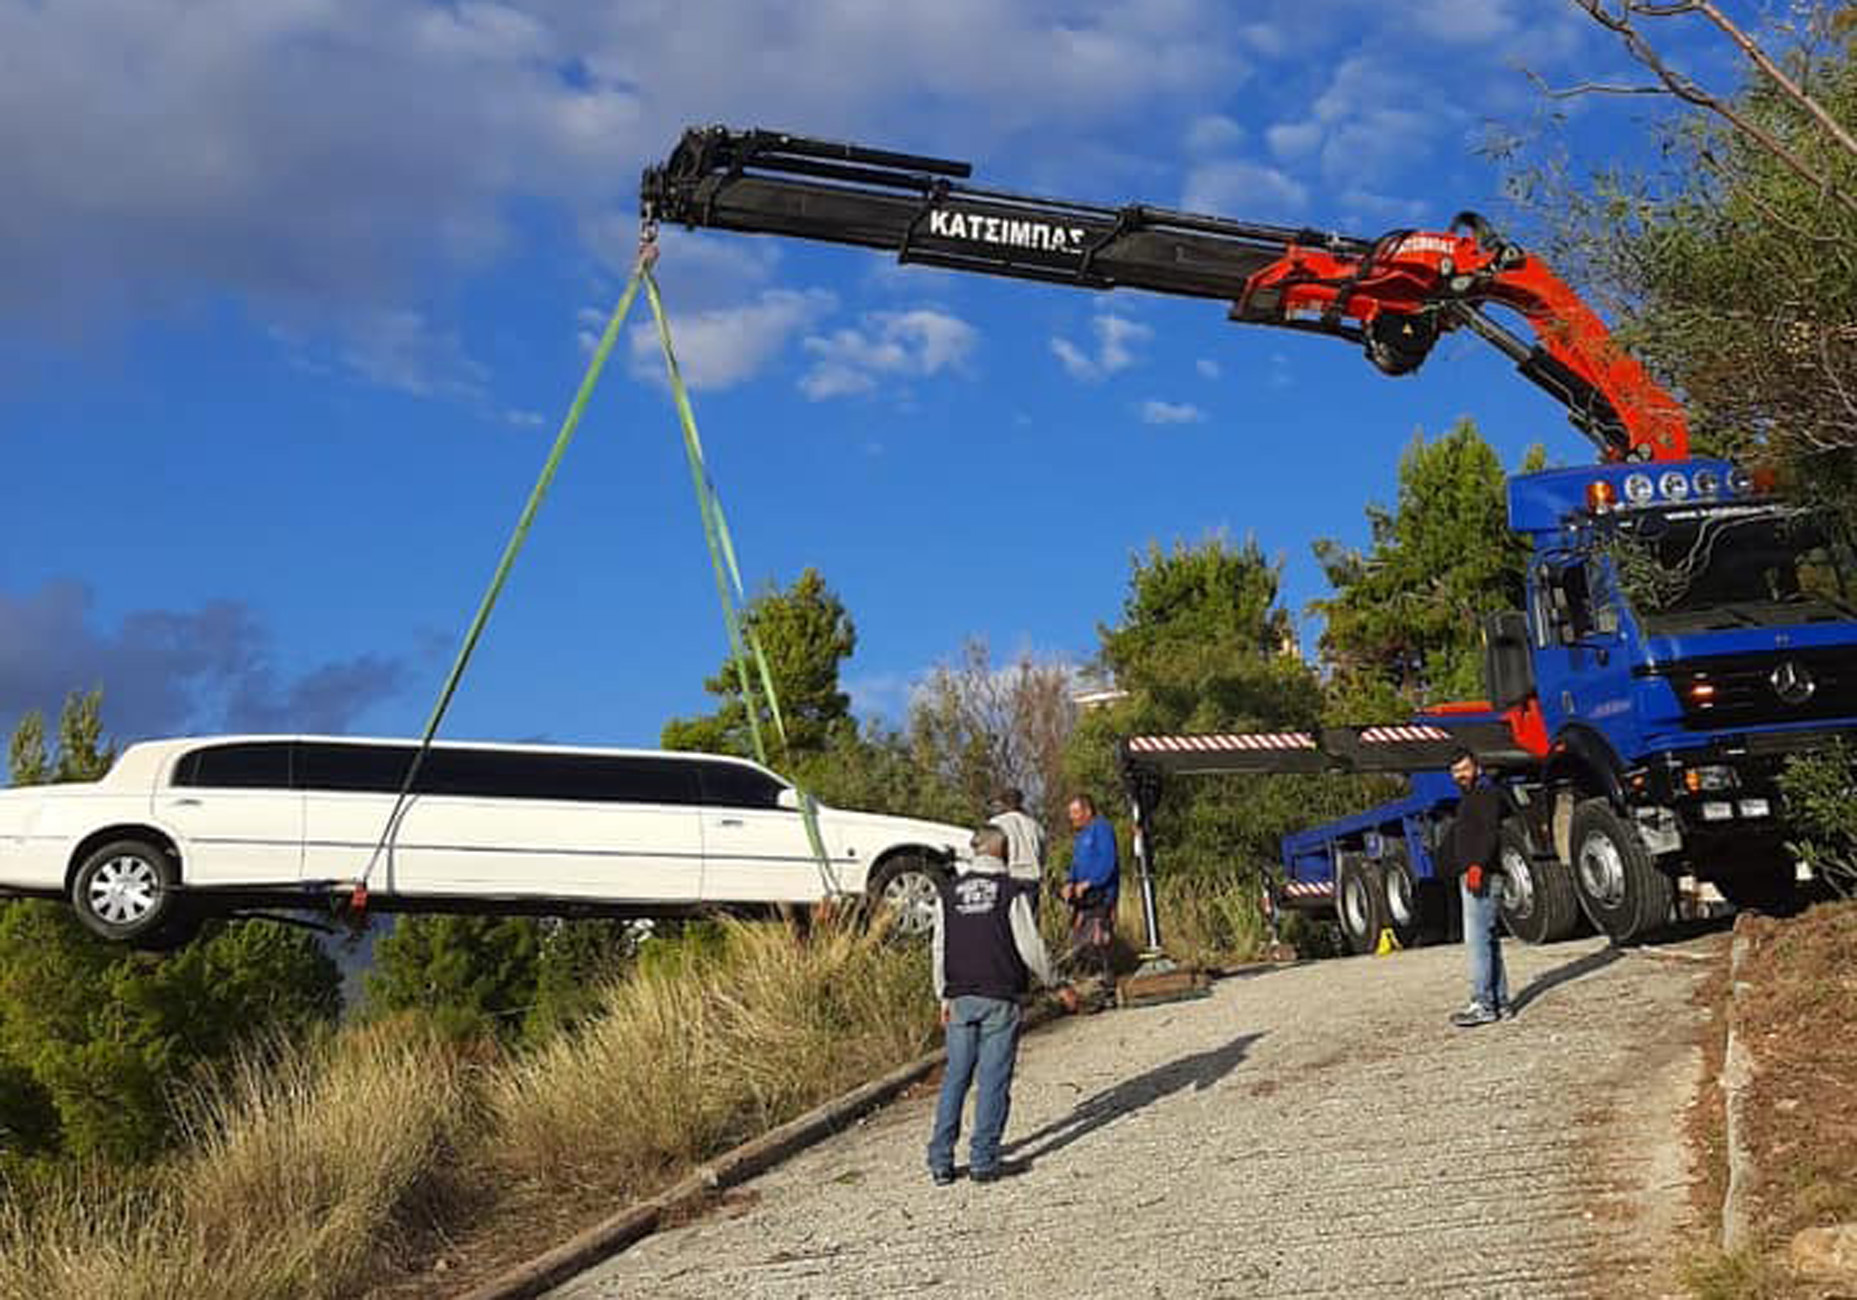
983 1035
1489 983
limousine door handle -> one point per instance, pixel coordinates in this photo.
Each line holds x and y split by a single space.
183 803
730 821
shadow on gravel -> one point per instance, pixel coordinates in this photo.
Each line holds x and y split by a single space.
1198 1071
1573 970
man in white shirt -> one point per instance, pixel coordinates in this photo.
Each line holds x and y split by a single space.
1025 838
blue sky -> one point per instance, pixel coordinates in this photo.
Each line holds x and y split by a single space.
292 296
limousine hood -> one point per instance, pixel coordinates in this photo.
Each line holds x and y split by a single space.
866 829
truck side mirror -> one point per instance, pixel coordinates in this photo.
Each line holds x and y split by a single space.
1508 664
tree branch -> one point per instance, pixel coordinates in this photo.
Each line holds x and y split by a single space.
1790 88
1692 93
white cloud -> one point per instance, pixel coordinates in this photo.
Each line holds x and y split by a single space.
1155 411
1373 121
403 350
1213 132
1248 190
1116 340
327 161
695 268
1207 368
1293 139
724 346
1454 22
906 344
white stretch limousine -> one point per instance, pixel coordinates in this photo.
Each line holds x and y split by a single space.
181 829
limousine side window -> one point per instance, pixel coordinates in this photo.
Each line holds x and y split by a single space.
732 785
263 765
500 774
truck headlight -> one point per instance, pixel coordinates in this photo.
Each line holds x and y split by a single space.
1710 778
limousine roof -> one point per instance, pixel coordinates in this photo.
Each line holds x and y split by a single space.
144 760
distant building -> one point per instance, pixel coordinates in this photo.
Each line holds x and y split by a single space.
1096 699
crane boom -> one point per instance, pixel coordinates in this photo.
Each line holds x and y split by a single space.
1396 295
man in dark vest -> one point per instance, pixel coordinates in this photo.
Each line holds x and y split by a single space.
1474 855
987 953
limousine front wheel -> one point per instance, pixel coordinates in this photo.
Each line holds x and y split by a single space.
125 890
905 890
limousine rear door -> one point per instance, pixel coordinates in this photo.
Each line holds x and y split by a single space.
754 850
507 823
235 814
540 824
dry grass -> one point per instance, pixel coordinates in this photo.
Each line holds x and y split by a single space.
689 1060
303 1162
327 1170
1210 923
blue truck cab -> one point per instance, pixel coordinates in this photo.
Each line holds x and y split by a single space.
1685 631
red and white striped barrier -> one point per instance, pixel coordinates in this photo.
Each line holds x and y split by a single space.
1222 744
1403 735
1305 889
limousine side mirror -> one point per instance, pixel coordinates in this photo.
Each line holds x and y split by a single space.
789 798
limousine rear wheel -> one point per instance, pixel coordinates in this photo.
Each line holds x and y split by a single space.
126 890
905 888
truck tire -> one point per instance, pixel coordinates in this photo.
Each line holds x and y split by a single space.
1360 902
126 891
1620 888
1538 902
1415 909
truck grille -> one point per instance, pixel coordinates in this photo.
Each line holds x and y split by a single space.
1778 686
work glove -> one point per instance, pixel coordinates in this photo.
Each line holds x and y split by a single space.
1476 880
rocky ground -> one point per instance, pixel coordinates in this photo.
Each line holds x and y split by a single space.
1305 1131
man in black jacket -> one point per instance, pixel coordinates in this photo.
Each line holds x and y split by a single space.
987 952
1473 853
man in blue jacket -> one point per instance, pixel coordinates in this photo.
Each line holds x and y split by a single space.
1092 887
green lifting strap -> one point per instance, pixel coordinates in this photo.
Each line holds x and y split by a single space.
729 588
510 550
742 640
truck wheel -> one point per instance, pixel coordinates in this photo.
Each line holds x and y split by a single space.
1620 888
1415 909
1360 902
905 889
126 891
1538 901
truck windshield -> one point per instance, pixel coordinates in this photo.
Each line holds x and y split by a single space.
1700 569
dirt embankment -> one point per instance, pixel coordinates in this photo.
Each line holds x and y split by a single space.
1793 1007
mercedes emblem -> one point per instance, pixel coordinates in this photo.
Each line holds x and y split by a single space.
1792 682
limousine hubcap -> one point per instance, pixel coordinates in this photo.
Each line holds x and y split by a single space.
124 890
911 900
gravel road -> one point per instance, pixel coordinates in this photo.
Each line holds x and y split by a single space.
1315 1130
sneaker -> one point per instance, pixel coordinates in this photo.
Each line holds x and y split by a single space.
942 1177
1473 1015
1004 1169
